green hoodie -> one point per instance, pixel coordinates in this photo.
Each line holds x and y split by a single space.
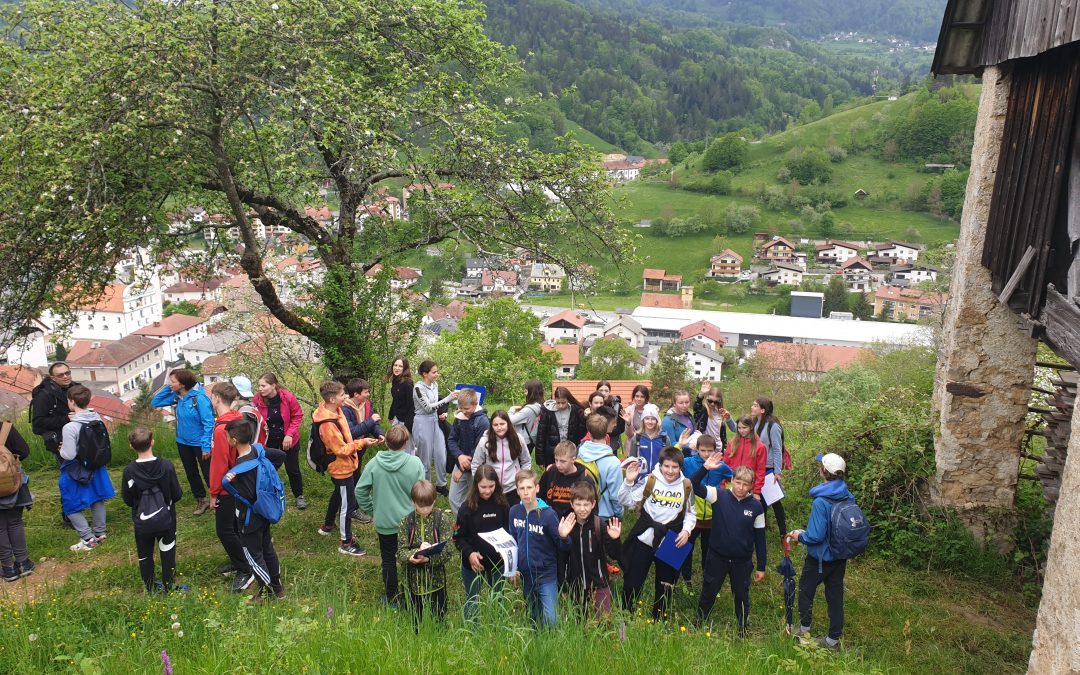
385 488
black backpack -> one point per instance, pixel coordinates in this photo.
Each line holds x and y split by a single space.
152 512
93 449
319 458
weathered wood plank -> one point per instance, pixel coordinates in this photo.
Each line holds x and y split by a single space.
1062 320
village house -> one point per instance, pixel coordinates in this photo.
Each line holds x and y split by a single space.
197 351
702 362
725 265
215 369
626 328
909 275
474 267
895 303
704 333
566 325
660 280
121 310
499 281
896 252
622 170
118 366
806 362
20 379
836 252
27 348
569 359
777 249
783 273
546 277
858 275
175 331
193 291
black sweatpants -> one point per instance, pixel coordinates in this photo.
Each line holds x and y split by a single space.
12 537
639 559
165 542
388 544
717 568
832 575
259 552
225 524
688 566
191 458
292 471
341 507
433 603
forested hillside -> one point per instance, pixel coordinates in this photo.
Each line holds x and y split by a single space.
911 19
635 80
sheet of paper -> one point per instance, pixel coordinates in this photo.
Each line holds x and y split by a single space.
505 546
771 490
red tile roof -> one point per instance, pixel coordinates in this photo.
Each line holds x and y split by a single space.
661 300
19 379
569 355
487 277
842 244
171 325
855 262
808 358
110 353
215 365
903 294
581 389
703 328
660 275
113 411
194 286
111 300
778 240
569 316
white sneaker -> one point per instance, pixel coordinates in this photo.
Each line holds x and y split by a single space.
85 545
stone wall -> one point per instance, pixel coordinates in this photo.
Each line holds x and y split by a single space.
1056 644
986 364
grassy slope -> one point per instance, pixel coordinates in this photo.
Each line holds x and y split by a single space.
90 606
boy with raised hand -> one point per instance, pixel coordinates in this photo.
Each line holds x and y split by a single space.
665 501
254 530
385 491
470 423
555 489
738 524
587 574
603 467
223 458
535 528
704 448
150 487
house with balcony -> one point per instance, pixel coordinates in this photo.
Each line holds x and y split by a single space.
896 303
777 249
659 281
725 265
835 252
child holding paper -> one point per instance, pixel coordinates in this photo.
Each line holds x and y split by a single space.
425 567
665 501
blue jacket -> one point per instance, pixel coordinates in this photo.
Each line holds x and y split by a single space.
673 425
464 435
816 535
537 535
194 415
611 477
358 429
712 478
650 448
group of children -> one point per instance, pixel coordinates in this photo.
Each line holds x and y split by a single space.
564 519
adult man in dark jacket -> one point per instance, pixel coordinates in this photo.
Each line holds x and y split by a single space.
49 410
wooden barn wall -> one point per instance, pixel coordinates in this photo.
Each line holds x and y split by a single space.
979 33
1032 172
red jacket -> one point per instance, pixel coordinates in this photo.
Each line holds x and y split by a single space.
222 457
738 454
291 414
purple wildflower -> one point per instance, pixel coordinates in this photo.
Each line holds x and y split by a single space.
166 664
329 613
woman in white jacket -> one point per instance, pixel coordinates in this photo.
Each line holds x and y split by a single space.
505 449
427 437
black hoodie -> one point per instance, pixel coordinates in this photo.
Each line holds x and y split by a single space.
587 568
140 476
555 488
488 517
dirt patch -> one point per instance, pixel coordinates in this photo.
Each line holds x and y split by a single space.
47 574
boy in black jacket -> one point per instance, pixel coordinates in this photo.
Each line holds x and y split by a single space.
150 487
555 486
738 530
255 536
587 574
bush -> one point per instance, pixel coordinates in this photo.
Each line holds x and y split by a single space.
835 153
809 167
727 152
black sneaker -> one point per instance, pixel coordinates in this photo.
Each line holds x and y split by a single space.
278 588
443 490
9 574
25 568
226 569
361 517
242 581
351 549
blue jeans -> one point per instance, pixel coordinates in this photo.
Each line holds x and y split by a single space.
541 598
474 583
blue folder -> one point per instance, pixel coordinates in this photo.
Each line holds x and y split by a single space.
481 390
669 554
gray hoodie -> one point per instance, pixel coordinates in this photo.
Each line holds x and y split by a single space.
70 445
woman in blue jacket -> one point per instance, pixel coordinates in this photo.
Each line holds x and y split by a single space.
194 429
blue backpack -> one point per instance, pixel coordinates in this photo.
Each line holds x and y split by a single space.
849 530
269 490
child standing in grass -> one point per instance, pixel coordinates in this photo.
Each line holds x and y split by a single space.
587 573
385 491
82 489
484 510
706 447
425 575
555 489
535 528
150 487
13 556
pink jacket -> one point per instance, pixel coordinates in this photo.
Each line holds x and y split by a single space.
291 414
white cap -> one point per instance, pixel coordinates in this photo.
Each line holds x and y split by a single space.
832 462
650 410
243 386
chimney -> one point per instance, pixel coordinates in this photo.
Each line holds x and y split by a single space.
157 324
688 297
